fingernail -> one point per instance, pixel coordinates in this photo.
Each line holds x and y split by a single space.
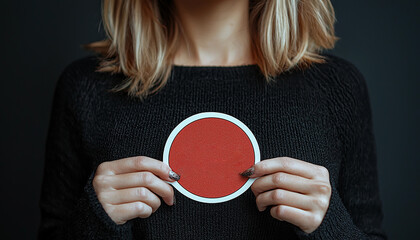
248 172
174 176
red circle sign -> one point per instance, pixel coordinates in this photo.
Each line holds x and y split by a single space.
209 150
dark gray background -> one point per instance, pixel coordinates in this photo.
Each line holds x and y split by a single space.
39 38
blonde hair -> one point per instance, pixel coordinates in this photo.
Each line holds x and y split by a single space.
143 36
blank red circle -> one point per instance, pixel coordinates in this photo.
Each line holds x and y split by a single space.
209 154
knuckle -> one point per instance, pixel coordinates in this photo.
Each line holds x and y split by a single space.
139 208
278 195
96 180
143 210
158 203
285 162
311 220
146 214
139 162
141 193
321 203
323 188
316 219
279 178
99 180
323 171
280 211
147 178
137 177
109 209
104 180
102 167
254 189
101 197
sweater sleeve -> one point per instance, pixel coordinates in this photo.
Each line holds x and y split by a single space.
68 203
355 210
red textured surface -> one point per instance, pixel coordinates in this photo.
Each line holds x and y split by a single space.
209 154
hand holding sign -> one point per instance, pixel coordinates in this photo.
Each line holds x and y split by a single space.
129 188
298 191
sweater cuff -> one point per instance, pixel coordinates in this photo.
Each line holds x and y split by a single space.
99 211
337 223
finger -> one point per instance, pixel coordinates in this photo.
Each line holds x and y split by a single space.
284 181
283 197
139 194
136 164
143 179
301 218
123 212
284 164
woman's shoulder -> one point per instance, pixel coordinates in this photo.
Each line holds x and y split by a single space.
340 74
78 79
81 67
336 66
84 72
345 86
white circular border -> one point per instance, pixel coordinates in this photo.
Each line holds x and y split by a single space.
199 116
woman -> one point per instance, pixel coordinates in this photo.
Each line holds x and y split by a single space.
259 61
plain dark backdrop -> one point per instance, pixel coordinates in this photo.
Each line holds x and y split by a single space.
39 38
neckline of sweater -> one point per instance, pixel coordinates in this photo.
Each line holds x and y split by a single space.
217 71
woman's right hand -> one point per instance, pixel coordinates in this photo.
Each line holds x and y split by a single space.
128 188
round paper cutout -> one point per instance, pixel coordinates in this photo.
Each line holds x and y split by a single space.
209 150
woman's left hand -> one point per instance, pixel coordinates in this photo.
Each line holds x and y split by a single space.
299 192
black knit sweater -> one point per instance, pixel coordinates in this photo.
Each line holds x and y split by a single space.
320 115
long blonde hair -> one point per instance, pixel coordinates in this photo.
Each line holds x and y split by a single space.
143 36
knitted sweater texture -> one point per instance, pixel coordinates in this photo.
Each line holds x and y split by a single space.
321 115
